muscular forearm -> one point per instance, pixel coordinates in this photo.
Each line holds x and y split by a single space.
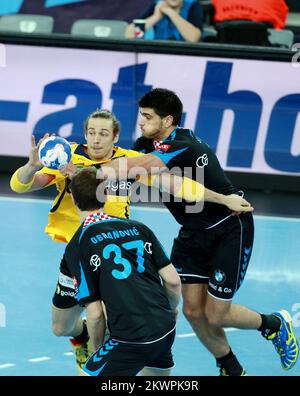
96 329
212 196
234 202
25 179
173 292
181 187
27 172
192 191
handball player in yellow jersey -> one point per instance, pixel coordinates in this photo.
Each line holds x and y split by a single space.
101 134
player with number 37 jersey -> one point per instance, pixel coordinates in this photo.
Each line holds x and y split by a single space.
122 254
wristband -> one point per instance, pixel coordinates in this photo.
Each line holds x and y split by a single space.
17 186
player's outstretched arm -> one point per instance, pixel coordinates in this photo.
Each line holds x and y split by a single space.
25 178
182 187
233 202
192 191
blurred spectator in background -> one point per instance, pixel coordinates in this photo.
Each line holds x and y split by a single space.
172 20
250 22
270 11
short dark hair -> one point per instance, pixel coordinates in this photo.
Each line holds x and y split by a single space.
107 115
88 189
164 103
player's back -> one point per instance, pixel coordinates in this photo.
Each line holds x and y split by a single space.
123 259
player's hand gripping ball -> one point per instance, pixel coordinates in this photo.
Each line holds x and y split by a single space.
55 152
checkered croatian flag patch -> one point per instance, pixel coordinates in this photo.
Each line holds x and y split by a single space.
156 144
95 218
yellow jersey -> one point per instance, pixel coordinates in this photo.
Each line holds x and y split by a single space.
63 218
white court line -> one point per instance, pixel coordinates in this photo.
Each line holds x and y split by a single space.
6 365
141 208
39 359
188 335
29 200
33 360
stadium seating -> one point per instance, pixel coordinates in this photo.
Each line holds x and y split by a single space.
102 28
26 23
244 32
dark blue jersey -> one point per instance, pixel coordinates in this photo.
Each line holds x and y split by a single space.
183 151
117 261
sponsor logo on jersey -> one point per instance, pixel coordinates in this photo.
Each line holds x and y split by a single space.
95 261
148 247
68 293
163 147
65 281
202 161
118 185
212 285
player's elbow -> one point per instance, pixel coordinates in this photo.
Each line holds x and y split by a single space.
13 188
170 276
16 185
174 282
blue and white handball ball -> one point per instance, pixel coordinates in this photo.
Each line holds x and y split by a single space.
55 152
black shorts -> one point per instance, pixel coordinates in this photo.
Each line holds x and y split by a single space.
218 255
116 358
65 295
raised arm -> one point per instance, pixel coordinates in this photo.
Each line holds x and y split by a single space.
26 179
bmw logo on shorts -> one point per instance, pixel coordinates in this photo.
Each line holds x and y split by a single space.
219 276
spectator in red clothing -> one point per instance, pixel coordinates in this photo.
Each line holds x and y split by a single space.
270 11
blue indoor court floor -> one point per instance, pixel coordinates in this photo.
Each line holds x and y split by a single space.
29 269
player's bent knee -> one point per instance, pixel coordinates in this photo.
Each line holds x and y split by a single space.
193 313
